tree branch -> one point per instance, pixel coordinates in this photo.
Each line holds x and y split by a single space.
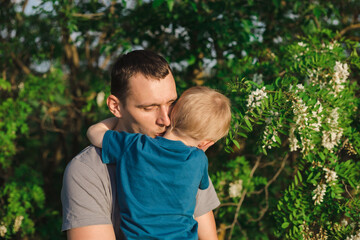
88 15
242 198
266 188
348 28
25 69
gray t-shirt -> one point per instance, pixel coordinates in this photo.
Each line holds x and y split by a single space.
88 190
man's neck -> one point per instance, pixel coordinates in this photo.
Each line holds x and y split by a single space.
119 126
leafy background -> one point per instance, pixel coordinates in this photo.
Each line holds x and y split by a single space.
289 168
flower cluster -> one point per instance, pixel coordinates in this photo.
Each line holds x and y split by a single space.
305 118
316 117
341 73
301 119
268 132
3 231
305 49
256 97
258 79
356 236
100 98
313 75
332 137
344 222
307 234
294 143
330 176
319 194
17 223
235 188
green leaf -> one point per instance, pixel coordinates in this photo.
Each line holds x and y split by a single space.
264 151
278 139
322 156
157 3
242 134
170 4
299 176
236 143
5 85
285 225
310 176
248 123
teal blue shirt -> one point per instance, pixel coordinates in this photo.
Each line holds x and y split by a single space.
157 181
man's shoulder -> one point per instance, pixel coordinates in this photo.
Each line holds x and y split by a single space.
89 156
88 159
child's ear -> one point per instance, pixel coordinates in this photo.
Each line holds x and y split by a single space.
204 145
114 105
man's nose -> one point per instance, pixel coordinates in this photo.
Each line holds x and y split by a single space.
163 117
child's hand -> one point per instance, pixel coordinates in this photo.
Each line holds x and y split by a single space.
96 132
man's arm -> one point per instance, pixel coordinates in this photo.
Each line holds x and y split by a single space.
207 227
96 132
87 197
94 232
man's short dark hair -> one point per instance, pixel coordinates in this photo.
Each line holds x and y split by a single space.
147 63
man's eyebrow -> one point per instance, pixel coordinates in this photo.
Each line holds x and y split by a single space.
155 104
147 105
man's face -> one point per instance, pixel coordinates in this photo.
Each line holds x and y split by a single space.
148 105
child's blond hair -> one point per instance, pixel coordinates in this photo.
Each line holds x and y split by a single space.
202 114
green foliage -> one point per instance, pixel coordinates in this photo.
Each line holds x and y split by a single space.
308 115
295 125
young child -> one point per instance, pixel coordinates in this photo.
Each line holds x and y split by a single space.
158 178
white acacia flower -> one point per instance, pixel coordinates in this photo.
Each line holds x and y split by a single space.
301 44
319 193
256 97
272 140
100 98
330 176
316 116
235 188
21 86
294 143
355 236
300 87
313 75
3 231
17 223
258 78
302 118
341 73
344 222
332 138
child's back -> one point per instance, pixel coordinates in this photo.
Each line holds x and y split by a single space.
157 181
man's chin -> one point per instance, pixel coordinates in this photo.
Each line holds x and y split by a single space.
160 134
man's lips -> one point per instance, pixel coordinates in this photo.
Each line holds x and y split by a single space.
160 134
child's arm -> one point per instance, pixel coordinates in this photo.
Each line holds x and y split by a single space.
207 227
96 132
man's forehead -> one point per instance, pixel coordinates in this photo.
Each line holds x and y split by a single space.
149 89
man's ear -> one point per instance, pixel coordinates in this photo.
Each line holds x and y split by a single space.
114 105
204 145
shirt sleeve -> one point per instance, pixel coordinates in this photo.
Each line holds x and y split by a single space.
86 193
114 145
206 200
204 184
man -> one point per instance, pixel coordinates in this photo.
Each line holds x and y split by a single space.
142 94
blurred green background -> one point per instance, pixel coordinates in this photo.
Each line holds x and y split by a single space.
55 57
